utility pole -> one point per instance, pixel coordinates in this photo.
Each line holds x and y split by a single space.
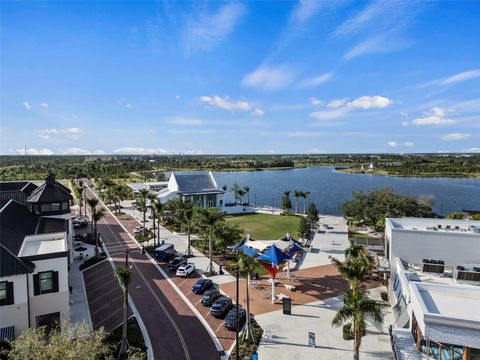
237 355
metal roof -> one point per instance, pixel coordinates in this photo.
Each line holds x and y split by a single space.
195 182
50 192
12 265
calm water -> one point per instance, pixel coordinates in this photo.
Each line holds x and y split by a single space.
330 188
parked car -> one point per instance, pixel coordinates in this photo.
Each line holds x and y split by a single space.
176 263
186 270
201 286
210 296
221 306
230 321
165 252
138 229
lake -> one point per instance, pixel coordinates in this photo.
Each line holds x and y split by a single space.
330 188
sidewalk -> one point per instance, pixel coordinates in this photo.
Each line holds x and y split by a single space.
180 241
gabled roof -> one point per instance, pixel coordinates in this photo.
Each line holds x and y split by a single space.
16 190
16 222
50 192
12 265
199 182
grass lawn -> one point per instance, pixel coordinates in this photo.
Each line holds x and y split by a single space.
265 226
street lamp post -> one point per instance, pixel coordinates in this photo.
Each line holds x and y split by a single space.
237 355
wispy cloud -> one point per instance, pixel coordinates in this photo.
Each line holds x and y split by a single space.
453 79
392 144
44 105
34 151
206 30
185 121
455 137
80 151
436 116
270 78
124 102
336 103
140 151
370 102
315 80
226 103
26 105
473 150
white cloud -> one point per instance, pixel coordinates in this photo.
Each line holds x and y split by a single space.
71 133
336 103
405 123
99 152
456 78
305 10
124 102
392 144
408 144
434 117
140 151
33 151
74 151
317 151
193 152
315 81
270 78
258 112
225 103
370 102
455 137
315 101
177 97
44 105
26 104
360 20
205 31
473 150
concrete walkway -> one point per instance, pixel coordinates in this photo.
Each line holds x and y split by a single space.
180 241
286 336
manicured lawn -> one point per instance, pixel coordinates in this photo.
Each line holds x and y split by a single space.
265 226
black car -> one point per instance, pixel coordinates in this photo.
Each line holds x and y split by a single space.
210 296
221 306
176 263
201 286
230 321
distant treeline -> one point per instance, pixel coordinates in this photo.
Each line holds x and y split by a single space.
148 166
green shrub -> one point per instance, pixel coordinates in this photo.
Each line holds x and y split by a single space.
93 260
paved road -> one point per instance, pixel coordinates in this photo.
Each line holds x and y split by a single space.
174 330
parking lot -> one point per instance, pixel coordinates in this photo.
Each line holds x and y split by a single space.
104 295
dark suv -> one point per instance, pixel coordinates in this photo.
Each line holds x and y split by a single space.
201 286
176 263
231 319
221 306
210 296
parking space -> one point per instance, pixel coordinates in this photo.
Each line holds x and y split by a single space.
104 295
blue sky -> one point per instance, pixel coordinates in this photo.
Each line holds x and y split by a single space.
240 77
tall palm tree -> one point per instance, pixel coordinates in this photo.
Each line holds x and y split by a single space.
357 306
235 188
187 211
296 195
206 220
96 215
305 195
241 194
247 190
124 276
159 209
142 205
246 266
80 198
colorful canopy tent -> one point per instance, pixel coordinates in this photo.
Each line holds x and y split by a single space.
291 252
248 250
288 237
235 247
272 260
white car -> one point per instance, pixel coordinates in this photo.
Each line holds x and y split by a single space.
186 270
138 230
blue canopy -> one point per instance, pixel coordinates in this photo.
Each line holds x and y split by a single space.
293 250
247 250
237 246
288 237
274 256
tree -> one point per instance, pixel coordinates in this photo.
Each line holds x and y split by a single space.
241 194
141 204
312 213
246 266
206 219
286 204
305 195
456 216
235 189
225 234
187 212
356 308
296 195
124 276
69 342
372 208
80 199
304 228
475 217
159 209
96 215
247 190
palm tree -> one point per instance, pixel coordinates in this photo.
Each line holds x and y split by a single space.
246 266
241 193
124 276
142 205
187 211
247 190
357 306
305 195
235 188
224 187
358 263
92 203
80 202
159 209
207 219
296 195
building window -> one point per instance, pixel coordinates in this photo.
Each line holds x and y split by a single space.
211 200
6 293
49 321
45 282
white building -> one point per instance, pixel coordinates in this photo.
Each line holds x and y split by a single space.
35 251
435 287
154 186
199 187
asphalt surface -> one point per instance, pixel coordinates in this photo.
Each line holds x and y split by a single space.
174 330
